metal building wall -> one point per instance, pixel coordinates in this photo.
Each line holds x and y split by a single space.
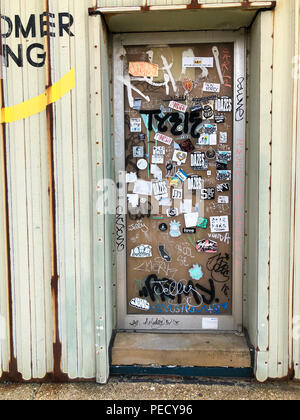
57 293
272 278
295 296
26 143
50 208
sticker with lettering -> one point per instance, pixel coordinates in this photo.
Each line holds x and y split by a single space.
211 87
135 125
207 246
177 106
163 139
199 161
219 224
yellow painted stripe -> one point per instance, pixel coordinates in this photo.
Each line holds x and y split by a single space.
39 103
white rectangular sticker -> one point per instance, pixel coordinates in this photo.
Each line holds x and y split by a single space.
177 106
135 125
223 199
163 139
197 62
142 187
211 87
223 138
219 224
191 219
213 139
210 323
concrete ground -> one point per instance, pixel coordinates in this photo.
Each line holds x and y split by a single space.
155 388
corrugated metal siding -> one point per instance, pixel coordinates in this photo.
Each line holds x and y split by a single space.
75 255
27 163
4 302
282 157
258 187
103 169
295 298
33 257
74 199
270 245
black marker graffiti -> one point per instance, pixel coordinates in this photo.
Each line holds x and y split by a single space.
240 104
176 122
120 229
167 288
219 268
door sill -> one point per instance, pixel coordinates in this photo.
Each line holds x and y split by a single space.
205 350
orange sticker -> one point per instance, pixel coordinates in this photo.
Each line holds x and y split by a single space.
143 69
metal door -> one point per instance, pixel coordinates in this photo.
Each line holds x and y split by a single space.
179 115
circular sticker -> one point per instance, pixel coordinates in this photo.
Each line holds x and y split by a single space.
210 154
142 164
169 167
163 227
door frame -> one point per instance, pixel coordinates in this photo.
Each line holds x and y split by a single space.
183 323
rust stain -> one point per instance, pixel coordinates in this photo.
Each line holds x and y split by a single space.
57 375
13 373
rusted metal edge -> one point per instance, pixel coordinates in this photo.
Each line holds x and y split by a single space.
13 368
57 374
245 5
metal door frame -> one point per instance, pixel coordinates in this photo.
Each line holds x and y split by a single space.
227 323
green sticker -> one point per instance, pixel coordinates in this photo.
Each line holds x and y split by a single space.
202 223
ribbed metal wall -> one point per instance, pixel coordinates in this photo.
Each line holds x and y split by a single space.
56 268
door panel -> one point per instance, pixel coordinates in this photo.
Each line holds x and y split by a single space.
177 135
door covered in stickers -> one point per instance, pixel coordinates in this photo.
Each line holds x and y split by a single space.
179 116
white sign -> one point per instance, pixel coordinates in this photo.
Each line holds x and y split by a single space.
223 138
223 199
163 139
197 62
177 106
210 323
135 125
177 194
224 104
160 189
142 187
219 224
159 150
191 219
211 87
